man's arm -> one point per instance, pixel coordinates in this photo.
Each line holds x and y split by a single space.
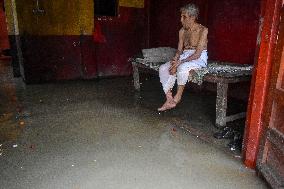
202 42
180 44
175 61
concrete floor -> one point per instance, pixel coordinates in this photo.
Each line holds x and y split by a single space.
89 134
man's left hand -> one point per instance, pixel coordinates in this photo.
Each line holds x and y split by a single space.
175 64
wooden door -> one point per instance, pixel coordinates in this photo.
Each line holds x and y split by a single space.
270 162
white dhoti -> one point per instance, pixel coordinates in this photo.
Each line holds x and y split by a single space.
168 80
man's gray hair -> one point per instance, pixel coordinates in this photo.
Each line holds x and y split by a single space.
191 9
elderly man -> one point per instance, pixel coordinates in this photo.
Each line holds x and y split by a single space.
191 54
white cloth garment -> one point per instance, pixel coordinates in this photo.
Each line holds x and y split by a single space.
168 81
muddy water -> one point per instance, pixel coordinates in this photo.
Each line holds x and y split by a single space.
100 134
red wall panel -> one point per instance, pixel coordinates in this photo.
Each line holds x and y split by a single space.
124 37
49 58
233 27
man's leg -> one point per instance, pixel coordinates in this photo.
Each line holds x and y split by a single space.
178 96
182 77
172 102
166 78
168 81
169 104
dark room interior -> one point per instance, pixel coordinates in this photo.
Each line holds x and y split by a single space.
79 97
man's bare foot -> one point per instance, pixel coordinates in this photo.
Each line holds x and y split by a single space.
169 96
177 99
167 105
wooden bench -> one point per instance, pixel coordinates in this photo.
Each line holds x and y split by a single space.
232 73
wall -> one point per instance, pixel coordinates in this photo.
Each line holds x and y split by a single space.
232 24
123 37
51 41
58 44
165 20
233 28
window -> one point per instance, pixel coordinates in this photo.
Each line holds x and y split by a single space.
106 7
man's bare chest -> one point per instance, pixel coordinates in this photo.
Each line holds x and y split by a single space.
191 37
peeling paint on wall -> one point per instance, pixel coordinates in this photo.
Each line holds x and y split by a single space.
132 3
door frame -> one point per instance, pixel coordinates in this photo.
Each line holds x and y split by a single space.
270 15
271 142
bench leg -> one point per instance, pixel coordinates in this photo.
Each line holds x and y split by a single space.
136 81
221 104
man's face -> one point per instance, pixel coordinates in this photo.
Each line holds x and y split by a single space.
185 19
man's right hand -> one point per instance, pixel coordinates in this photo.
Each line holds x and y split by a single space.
173 71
